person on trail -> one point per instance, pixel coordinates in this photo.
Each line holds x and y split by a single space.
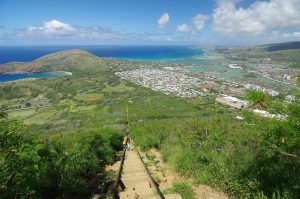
125 142
128 139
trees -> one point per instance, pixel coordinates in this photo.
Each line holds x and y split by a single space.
59 166
276 166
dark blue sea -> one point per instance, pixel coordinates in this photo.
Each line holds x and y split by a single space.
30 53
175 54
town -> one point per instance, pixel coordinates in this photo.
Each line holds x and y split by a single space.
172 79
169 81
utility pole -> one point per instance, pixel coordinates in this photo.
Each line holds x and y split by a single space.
127 116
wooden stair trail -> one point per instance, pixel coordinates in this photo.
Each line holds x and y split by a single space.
136 179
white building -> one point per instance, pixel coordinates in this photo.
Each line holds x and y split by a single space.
232 101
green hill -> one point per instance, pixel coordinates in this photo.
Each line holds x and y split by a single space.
76 61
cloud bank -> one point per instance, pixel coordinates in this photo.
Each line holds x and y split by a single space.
62 32
58 29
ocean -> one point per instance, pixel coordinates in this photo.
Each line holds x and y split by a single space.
13 77
153 53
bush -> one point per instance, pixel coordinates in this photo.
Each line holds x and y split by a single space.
60 166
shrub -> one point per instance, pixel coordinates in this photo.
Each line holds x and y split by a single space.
60 166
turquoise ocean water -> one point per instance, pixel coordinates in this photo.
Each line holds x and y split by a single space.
13 77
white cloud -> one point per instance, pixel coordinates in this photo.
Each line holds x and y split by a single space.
199 21
53 27
163 21
183 28
260 17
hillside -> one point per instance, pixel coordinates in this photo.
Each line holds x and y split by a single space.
288 53
71 127
76 61
282 46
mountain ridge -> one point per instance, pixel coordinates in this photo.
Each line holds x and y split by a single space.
282 46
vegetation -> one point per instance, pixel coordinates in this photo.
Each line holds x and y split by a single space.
60 143
182 188
256 158
67 138
258 99
69 165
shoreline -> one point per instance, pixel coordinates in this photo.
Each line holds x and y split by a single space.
31 75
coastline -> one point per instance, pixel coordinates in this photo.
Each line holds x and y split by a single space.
19 75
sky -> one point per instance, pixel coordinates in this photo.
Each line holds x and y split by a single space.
148 22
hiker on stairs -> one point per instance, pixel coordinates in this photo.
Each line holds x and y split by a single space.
128 139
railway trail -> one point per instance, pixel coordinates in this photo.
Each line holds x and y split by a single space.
134 181
135 178
137 181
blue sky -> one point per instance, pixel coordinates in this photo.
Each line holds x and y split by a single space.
141 22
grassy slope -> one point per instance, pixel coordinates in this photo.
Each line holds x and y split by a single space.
105 105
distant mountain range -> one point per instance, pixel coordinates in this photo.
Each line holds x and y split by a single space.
288 53
282 46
